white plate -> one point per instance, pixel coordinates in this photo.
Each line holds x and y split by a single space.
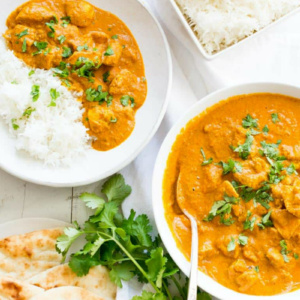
98 165
22 226
204 281
193 35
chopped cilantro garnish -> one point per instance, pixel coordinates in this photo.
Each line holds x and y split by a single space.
23 33
222 208
61 39
113 120
115 37
28 112
24 46
242 240
85 47
50 25
231 166
205 161
54 95
125 101
65 21
15 126
249 224
275 118
256 269
105 76
67 52
249 122
284 251
62 70
35 92
98 95
291 169
231 245
31 73
265 221
109 51
40 45
296 256
244 149
265 130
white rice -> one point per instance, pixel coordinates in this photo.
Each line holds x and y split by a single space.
55 134
222 23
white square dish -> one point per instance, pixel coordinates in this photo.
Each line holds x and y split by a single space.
199 45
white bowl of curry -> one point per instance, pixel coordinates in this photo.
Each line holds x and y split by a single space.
237 152
112 52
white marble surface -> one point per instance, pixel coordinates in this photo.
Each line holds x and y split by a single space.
272 56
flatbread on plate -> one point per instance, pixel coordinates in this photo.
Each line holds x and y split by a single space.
67 293
24 256
97 281
11 289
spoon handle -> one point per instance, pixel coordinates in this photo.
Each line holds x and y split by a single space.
193 284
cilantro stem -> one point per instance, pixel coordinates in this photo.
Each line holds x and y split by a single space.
167 290
179 288
112 238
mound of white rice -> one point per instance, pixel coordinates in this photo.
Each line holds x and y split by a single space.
222 23
53 134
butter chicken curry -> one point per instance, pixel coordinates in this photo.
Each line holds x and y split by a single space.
93 52
237 167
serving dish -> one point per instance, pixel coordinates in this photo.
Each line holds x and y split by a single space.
212 56
98 165
205 282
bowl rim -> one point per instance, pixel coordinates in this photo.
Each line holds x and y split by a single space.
208 56
204 281
139 149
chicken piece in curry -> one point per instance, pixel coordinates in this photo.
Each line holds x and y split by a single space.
238 167
93 52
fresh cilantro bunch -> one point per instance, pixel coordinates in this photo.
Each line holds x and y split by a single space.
124 245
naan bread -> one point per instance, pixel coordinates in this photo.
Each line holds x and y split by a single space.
24 256
67 293
97 281
11 289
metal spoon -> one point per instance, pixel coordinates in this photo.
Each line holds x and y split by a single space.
192 294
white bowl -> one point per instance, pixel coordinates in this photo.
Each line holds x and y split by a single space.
205 282
98 165
193 35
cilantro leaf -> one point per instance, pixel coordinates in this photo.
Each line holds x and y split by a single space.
231 166
231 246
109 51
125 101
284 251
265 221
93 201
124 271
64 242
249 224
61 39
156 265
23 33
249 122
205 161
245 149
275 118
265 130
81 264
150 296
54 95
107 215
115 188
35 93
242 240
291 169
67 52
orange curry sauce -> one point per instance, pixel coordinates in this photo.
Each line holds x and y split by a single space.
93 52
245 192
